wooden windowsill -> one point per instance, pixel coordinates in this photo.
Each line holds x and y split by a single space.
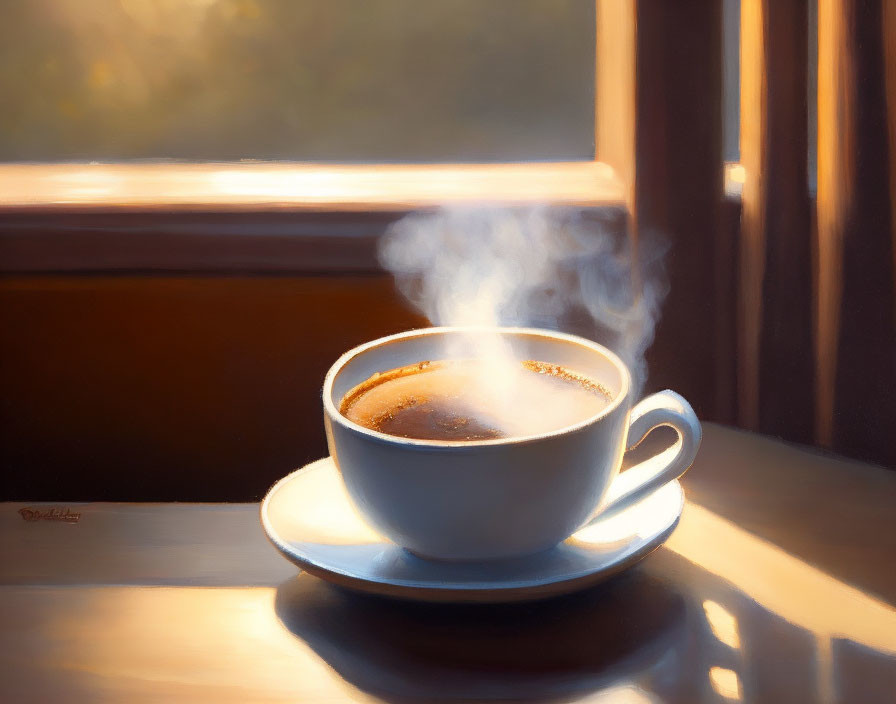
260 217
255 217
289 186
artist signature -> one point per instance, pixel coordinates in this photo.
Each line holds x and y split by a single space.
49 514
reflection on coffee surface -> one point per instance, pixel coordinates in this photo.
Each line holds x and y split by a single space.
473 400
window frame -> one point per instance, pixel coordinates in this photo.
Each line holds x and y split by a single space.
74 216
65 216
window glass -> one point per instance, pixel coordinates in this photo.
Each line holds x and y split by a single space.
328 80
731 80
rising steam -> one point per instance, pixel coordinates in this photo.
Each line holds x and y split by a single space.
534 267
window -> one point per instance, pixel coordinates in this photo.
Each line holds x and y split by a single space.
214 103
298 80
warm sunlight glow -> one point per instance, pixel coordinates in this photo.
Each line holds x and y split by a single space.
736 173
427 184
272 185
735 177
722 623
180 17
331 519
182 639
85 183
620 694
647 518
725 682
812 599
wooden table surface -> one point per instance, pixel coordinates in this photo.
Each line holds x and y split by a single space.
778 585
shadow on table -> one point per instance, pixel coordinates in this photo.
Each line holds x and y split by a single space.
616 632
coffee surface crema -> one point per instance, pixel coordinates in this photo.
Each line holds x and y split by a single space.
474 400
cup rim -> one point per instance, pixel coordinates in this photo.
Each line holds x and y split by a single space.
337 417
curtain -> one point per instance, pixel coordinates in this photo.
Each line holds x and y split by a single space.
817 305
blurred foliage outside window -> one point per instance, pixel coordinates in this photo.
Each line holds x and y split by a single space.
304 80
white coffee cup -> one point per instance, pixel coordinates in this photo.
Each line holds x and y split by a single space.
506 497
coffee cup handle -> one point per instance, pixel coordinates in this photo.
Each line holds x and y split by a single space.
632 485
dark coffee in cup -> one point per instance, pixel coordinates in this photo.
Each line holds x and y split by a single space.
469 400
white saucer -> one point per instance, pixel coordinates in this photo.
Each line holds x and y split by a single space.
309 518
